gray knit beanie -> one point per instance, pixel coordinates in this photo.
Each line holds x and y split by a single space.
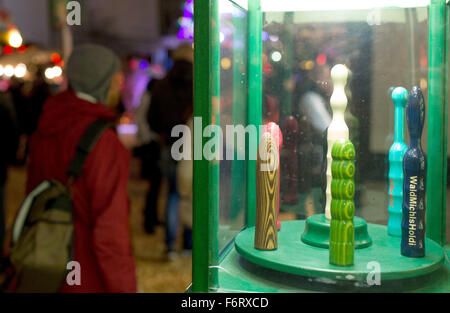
90 69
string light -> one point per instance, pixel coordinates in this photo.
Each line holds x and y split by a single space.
14 38
8 50
20 71
53 72
9 71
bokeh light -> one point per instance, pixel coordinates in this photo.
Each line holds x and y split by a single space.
14 38
49 73
307 65
274 38
53 72
225 63
423 83
20 71
276 56
22 49
8 49
55 57
57 71
143 65
9 71
321 59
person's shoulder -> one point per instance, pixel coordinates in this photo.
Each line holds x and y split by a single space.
109 150
110 138
66 94
57 100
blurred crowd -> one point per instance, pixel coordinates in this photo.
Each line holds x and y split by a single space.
41 129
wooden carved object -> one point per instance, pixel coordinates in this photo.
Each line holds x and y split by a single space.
267 177
274 130
396 154
337 129
414 169
342 230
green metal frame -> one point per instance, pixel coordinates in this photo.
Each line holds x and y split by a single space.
437 121
207 105
206 173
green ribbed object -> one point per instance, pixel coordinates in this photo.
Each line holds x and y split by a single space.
342 230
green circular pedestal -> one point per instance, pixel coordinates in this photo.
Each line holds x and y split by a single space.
317 232
296 257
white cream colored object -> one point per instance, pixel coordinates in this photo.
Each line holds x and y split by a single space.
184 185
338 128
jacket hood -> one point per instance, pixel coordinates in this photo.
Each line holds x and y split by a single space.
65 110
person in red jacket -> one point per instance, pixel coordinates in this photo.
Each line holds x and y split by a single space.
100 200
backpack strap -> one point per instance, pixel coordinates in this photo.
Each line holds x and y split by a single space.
85 145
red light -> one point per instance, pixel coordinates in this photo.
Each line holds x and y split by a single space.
8 49
55 57
21 49
321 59
134 64
268 69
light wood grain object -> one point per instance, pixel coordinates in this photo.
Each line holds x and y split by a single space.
267 179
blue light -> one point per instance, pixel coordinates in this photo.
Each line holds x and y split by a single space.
143 65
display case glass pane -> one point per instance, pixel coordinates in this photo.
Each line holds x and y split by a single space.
233 111
382 45
447 211
383 48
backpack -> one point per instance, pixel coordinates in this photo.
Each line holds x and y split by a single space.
42 239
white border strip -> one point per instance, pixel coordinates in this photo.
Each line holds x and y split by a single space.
332 5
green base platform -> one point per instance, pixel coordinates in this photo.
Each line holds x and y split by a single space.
295 257
317 232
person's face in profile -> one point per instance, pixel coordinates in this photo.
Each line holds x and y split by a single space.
115 90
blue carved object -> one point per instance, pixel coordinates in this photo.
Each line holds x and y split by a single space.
396 154
414 164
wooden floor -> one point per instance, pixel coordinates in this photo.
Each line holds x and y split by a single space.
154 272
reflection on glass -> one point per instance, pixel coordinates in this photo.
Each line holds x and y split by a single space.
233 111
383 48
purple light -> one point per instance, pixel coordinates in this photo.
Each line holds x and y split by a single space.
127 129
274 38
265 36
187 22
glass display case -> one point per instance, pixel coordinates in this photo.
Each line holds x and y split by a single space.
321 84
